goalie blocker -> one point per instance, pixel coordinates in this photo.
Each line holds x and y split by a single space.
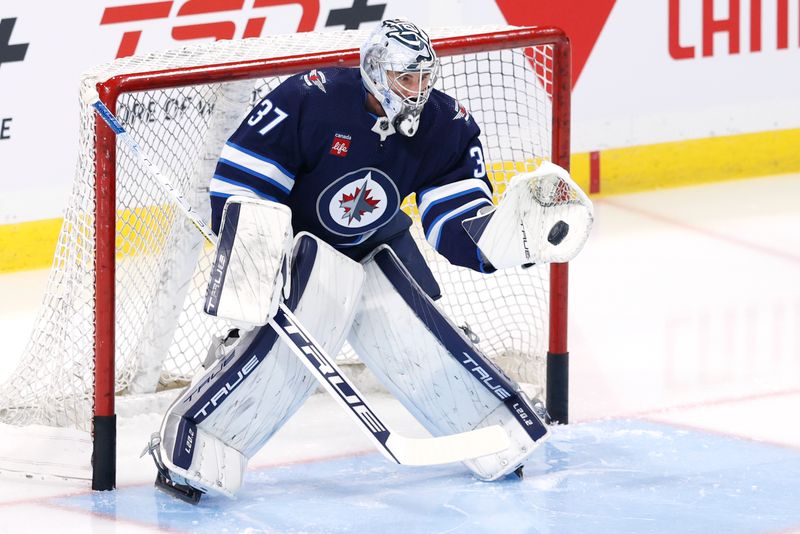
250 273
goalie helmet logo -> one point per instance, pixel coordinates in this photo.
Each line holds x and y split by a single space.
358 202
409 35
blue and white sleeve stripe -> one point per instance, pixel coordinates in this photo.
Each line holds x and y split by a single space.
225 187
434 230
431 198
257 166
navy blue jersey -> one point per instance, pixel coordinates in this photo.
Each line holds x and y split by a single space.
311 144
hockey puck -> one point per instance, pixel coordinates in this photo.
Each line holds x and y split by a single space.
557 233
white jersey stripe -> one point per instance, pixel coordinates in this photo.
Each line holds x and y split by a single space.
445 192
435 230
261 167
223 187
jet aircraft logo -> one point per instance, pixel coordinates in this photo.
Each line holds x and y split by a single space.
360 203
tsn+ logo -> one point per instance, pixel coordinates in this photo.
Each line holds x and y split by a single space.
199 19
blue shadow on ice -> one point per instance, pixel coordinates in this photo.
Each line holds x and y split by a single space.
611 476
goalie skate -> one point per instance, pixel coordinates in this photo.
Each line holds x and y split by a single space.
169 483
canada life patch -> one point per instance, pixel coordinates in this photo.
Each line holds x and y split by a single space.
358 202
340 145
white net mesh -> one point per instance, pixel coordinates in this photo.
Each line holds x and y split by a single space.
162 335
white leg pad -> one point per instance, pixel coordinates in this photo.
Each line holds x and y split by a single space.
214 466
231 411
434 370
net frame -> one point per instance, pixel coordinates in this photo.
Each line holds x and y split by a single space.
105 201
105 214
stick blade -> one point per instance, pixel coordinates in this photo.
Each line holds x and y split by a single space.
450 448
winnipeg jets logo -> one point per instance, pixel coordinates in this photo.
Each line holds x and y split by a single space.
461 112
315 78
409 35
359 202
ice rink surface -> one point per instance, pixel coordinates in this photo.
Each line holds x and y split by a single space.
685 390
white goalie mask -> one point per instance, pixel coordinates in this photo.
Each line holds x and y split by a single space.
399 68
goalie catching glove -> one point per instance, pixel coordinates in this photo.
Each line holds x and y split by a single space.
543 217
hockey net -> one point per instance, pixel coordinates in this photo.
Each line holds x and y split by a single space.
139 297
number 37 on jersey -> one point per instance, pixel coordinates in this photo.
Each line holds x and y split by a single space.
271 115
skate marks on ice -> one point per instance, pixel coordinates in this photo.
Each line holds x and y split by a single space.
610 476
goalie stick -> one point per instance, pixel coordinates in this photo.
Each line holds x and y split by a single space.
400 449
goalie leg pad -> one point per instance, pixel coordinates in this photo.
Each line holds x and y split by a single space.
231 411
434 370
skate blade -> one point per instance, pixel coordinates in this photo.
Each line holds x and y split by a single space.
179 491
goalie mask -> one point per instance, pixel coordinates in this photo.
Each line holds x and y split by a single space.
399 68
